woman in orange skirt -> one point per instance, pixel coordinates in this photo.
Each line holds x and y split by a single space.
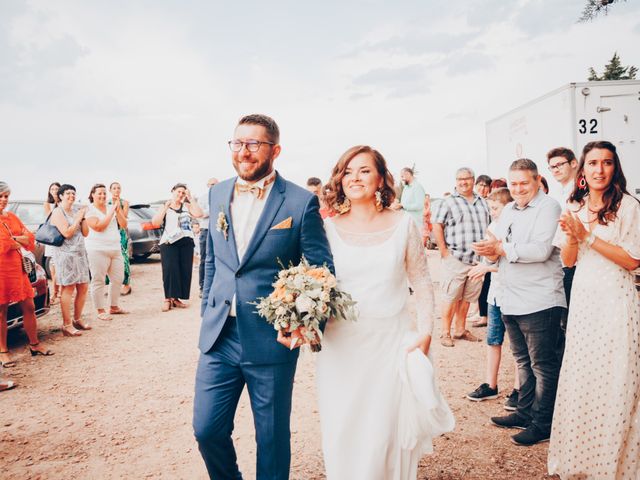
14 282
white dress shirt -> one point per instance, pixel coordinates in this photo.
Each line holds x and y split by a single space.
246 209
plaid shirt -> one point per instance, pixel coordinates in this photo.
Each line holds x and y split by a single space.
463 224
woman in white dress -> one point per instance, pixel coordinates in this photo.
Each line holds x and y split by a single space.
379 404
596 421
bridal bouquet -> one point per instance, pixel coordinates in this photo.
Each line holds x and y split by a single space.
304 296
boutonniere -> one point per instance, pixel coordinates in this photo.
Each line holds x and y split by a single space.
222 225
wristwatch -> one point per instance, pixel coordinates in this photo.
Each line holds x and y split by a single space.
590 239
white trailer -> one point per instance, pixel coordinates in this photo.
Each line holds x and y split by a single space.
570 116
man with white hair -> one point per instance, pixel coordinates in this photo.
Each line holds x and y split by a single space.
460 220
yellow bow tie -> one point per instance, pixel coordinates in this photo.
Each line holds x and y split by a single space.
254 189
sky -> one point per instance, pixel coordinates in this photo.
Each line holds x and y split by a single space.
148 92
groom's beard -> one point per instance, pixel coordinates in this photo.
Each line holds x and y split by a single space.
264 168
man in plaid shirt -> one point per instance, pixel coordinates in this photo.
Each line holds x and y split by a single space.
458 221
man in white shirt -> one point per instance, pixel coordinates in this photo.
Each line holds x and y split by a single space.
203 201
563 165
258 219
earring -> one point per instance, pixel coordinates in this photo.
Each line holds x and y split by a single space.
379 204
344 206
582 183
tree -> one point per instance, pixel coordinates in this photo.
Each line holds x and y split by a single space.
595 7
614 71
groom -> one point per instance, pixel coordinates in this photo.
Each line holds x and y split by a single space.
255 220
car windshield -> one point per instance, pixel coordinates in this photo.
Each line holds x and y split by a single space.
143 213
31 214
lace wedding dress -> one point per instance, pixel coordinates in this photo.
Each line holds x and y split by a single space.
380 407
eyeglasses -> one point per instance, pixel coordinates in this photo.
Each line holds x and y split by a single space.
464 179
557 165
251 145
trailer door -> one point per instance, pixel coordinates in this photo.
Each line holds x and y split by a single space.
620 124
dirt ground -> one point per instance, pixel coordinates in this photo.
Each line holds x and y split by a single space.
116 403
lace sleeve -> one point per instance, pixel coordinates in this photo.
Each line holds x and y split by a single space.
417 270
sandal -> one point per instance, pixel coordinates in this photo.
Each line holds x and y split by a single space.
70 331
80 325
468 336
125 290
8 363
104 316
34 353
166 305
445 341
178 304
6 385
117 311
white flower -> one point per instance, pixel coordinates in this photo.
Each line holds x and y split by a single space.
324 296
304 304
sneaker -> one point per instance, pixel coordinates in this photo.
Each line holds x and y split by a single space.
513 420
483 392
511 403
530 436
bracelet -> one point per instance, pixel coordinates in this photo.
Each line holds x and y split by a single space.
590 239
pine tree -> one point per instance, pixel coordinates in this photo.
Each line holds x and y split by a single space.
614 71
595 7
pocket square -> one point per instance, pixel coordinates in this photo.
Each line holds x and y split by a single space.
286 223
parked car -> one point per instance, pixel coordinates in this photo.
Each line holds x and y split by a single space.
31 213
143 236
41 300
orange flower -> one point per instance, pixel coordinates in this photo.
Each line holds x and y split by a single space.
279 293
317 273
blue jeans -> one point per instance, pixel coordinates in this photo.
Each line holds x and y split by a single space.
533 340
220 379
495 326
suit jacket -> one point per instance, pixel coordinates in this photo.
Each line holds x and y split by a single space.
251 278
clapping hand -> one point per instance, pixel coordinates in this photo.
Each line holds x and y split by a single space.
488 248
573 227
79 216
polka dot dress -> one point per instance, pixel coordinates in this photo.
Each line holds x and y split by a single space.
596 422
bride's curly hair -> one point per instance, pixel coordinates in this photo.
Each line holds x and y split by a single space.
335 194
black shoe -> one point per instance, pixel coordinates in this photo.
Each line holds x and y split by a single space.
483 392
513 420
511 403
530 436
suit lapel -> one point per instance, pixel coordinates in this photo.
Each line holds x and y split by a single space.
231 240
276 197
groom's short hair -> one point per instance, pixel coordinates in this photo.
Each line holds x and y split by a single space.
270 125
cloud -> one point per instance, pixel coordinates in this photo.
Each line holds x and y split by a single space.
469 63
419 43
398 82
32 56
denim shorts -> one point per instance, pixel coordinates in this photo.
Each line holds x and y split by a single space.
495 326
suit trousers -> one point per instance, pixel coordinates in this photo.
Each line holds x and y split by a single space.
220 379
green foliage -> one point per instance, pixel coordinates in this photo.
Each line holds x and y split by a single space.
614 71
595 7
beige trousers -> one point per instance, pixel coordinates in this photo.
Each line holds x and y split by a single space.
103 263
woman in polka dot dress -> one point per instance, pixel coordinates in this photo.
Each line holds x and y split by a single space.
596 423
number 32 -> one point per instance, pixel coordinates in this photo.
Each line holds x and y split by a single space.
583 126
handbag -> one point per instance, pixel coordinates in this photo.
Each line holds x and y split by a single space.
48 234
28 265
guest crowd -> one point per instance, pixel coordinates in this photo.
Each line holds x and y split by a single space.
553 274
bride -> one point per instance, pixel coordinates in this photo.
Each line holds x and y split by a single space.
379 403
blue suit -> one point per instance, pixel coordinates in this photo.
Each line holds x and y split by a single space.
243 349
